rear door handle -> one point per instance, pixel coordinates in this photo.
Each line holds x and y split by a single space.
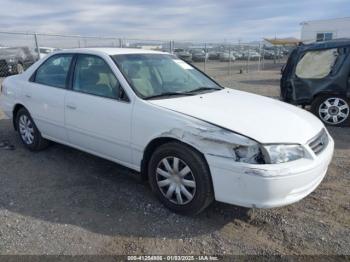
28 96
71 107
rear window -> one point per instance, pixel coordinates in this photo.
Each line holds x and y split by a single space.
317 64
54 71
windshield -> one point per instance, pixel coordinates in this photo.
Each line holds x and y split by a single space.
157 75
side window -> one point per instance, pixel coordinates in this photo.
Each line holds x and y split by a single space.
319 37
316 64
324 37
93 76
54 71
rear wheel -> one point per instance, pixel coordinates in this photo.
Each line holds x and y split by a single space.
180 178
28 132
332 109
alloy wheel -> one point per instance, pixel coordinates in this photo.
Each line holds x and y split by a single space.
334 110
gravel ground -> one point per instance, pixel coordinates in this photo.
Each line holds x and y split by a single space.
63 201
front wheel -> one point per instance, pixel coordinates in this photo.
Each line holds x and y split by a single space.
332 110
180 178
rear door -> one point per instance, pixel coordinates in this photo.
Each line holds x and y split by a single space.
44 96
97 111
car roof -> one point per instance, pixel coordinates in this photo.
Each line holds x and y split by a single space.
111 51
335 43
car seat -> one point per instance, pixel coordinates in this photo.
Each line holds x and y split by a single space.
89 82
139 80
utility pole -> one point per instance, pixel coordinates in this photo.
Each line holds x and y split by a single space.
37 45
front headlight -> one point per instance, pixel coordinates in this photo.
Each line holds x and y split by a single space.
276 154
219 142
249 154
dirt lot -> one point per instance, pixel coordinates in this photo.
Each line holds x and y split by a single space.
63 201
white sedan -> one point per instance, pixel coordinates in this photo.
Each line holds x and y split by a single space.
194 140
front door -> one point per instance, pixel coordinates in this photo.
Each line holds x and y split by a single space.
97 114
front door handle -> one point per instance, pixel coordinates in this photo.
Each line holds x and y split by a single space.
27 96
71 107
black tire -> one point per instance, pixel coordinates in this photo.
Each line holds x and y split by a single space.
203 192
37 143
318 104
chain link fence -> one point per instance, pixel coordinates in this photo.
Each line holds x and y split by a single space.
19 50
227 59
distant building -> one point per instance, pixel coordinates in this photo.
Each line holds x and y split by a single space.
323 30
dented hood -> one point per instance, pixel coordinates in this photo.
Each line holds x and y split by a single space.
263 119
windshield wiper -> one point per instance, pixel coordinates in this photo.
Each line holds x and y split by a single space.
169 94
202 88
188 93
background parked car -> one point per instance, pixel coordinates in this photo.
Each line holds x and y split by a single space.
252 55
238 55
226 56
183 54
270 54
199 55
214 55
14 60
317 74
44 51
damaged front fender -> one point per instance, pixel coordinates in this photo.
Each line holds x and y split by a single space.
211 140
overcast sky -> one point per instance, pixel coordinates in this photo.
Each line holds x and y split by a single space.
243 20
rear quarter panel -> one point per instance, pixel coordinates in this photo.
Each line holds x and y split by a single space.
11 95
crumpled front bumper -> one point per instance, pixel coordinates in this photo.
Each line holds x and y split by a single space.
269 185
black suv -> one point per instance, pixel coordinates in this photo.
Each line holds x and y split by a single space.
318 74
14 60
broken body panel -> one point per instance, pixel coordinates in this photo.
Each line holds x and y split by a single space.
300 89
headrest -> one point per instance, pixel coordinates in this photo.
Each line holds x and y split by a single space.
89 76
133 70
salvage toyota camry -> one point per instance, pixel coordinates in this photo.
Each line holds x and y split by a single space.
194 140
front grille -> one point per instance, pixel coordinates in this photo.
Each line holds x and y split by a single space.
320 142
